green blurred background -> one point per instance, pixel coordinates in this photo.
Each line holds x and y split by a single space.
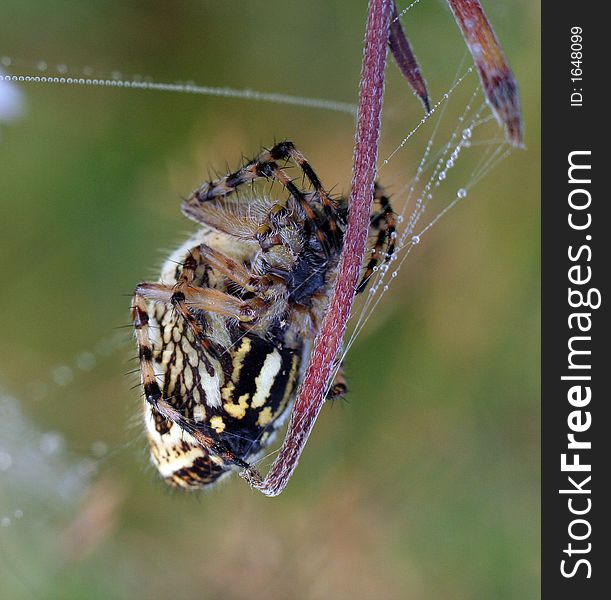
424 484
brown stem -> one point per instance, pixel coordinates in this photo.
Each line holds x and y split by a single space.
327 345
498 82
406 60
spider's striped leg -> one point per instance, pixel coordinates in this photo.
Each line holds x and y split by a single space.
152 391
383 222
264 166
178 298
140 317
185 296
286 149
338 387
237 272
199 298
204 255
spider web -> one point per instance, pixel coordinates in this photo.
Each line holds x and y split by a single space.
459 129
470 135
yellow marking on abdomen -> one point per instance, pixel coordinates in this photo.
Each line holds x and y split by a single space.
265 416
237 411
217 423
238 358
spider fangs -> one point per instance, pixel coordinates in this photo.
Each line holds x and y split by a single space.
224 335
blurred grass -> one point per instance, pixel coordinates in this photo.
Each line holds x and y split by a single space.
424 484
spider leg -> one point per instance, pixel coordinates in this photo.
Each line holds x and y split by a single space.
286 149
197 256
140 318
338 387
383 222
265 166
185 297
152 391
231 269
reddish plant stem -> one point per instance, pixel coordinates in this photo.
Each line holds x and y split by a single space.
328 343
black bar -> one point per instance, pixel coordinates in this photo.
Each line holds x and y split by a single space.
575 119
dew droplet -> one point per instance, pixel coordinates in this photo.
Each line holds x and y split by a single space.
5 522
99 448
6 61
51 442
41 65
62 375
6 460
415 240
18 514
462 193
466 133
85 361
86 468
442 176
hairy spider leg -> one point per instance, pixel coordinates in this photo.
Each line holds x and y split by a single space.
199 298
284 151
384 223
338 387
233 270
264 166
204 254
186 296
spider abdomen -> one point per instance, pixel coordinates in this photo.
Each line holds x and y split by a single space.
239 393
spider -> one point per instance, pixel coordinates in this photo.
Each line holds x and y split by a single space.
224 336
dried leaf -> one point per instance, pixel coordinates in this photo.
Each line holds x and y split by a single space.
498 82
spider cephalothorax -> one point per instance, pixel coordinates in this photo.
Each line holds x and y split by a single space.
225 334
